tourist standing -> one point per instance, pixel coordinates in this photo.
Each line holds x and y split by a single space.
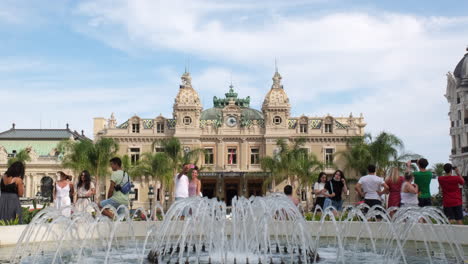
288 190
409 191
85 190
394 182
319 190
423 179
370 187
182 183
63 191
116 197
195 184
452 194
12 187
335 187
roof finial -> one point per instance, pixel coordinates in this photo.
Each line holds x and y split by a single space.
82 132
276 65
68 126
231 86
13 126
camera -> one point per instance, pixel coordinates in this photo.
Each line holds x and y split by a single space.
414 161
118 187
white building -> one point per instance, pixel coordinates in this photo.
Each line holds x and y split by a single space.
457 96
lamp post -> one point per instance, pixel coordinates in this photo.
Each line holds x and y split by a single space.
38 199
131 196
150 197
166 198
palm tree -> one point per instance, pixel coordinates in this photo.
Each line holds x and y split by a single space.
385 151
307 170
159 167
358 155
438 169
22 155
94 157
283 165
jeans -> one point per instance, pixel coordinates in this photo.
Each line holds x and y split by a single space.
114 204
337 204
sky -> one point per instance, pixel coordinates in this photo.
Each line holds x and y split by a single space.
70 61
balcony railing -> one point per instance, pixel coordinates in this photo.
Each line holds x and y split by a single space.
464 149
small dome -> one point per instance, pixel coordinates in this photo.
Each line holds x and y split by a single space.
461 72
187 96
216 113
276 97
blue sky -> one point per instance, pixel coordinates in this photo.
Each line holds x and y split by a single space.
71 61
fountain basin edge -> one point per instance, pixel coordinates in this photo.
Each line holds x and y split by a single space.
9 235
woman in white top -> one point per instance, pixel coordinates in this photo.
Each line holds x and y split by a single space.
319 190
409 191
63 190
85 190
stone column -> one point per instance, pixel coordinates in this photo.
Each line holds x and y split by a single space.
244 154
220 155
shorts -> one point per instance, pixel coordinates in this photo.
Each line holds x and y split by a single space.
423 202
372 202
454 212
114 204
337 204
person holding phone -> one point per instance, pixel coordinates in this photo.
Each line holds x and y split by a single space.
452 194
423 179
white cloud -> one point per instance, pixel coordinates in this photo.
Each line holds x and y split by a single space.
395 62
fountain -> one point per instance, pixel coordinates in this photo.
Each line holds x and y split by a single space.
256 230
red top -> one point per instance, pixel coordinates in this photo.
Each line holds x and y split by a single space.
451 192
394 198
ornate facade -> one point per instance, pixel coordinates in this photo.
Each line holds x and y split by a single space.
234 137
457 97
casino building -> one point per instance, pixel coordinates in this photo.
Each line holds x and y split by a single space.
234 136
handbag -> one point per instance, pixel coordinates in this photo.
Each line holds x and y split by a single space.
126 187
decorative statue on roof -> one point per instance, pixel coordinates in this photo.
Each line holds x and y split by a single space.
277 80
186 79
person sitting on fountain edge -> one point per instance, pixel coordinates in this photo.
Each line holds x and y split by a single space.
288 192
452 194
116 198
422 178
370 187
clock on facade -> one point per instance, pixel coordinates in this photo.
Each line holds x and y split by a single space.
231 121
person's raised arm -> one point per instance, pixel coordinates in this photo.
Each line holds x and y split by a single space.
345 188
408 166
462 181
412 188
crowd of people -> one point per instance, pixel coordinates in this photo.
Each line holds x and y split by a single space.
410 189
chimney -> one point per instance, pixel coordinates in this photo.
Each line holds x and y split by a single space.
82 133
13 126
68 126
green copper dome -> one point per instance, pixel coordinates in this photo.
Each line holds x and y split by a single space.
215 113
